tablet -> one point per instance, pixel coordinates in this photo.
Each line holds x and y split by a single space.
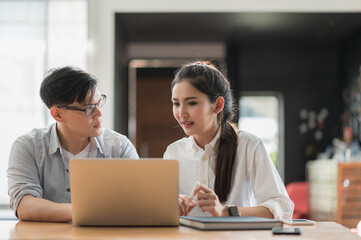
299 222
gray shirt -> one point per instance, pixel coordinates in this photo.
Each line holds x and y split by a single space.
37 166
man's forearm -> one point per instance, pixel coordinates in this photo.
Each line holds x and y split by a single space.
37 209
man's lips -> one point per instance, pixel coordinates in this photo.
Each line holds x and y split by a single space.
99 124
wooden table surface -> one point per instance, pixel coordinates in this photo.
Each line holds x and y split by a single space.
44 230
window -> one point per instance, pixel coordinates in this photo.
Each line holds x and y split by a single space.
261 115
34 37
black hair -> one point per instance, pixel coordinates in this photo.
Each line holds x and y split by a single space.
65 85
206 78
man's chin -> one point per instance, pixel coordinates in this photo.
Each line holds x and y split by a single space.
97 132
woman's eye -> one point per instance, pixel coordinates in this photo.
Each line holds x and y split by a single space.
175 104
192 103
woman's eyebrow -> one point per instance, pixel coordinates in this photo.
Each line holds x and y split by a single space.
187 98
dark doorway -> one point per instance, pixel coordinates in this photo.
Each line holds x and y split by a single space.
152 125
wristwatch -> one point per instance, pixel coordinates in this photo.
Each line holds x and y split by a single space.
233 210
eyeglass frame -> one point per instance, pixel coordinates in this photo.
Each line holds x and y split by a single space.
91 106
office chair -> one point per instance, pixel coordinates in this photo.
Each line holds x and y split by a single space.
298 192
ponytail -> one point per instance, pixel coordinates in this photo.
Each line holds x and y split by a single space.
227 148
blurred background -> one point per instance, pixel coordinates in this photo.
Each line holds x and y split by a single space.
294 68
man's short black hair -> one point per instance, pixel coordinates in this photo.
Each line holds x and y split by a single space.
63 86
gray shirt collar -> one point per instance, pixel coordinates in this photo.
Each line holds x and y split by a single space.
54 143
96 145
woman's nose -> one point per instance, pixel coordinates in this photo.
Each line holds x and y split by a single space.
182 111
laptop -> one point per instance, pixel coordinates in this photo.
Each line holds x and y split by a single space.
124 192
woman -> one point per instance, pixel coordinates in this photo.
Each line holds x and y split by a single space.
235 173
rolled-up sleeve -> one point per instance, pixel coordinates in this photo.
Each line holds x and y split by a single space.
267 185
22 172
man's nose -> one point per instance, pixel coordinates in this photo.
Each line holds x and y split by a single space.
97 113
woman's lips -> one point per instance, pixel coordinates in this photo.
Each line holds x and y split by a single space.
187 124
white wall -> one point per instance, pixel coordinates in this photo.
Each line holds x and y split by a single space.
102 21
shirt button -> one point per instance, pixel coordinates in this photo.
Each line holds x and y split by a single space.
204 181
204 158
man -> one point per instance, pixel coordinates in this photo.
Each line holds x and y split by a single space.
38 171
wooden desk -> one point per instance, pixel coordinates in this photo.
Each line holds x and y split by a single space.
41 230
349 194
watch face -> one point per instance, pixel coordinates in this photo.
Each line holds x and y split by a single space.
233 210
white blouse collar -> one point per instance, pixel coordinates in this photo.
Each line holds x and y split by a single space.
210 146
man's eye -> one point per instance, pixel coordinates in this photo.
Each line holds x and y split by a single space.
90 107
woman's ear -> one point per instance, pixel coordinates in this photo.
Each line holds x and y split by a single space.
219 104
56 113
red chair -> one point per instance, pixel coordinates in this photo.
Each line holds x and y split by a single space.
298 192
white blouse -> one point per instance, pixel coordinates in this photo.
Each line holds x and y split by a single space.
255 180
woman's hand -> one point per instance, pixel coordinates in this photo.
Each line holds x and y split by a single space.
186 204
208 201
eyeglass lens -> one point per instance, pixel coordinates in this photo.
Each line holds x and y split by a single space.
90 110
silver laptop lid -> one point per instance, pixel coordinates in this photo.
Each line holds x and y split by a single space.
124 192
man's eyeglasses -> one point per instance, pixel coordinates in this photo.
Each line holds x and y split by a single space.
89 110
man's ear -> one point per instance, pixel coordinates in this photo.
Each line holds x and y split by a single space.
219 104
56 113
